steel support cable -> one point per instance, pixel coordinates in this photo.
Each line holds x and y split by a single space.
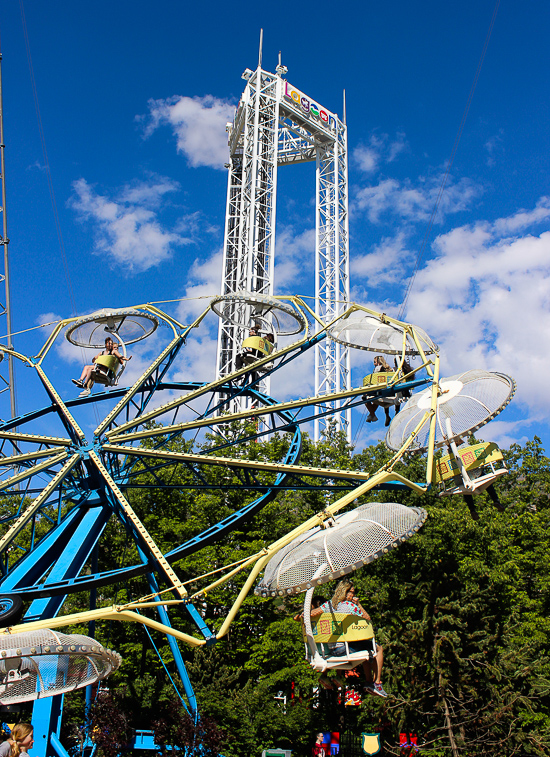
51 190
45 155
449 164
165 667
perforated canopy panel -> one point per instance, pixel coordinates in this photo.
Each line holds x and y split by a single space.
131 325
367 332
355 539
240 308
37 664
468 401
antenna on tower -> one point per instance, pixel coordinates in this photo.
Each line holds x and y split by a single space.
261 47
281 70
345 122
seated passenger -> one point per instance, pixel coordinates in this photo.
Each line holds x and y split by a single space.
241 358
345 600
86 380
381 366
250 354
325 681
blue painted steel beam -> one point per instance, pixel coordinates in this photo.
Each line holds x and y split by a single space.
46 721
176 652
31 568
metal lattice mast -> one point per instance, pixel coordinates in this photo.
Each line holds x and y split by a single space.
332 360
248 262
276 125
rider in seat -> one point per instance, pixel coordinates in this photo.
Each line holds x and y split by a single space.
248 354
254 348
106 369
380 365
345 600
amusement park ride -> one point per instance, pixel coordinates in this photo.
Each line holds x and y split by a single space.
61 485
60 490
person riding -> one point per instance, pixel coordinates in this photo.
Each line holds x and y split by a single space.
241 358
345 600
250 354
86 380
380 366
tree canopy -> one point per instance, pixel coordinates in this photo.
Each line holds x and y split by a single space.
461 610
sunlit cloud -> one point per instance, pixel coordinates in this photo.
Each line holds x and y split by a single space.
384 263
484 298
378 150
494 147
203 283
198 123
126 228
414 202
294 259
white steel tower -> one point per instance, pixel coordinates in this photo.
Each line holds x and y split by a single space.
275 125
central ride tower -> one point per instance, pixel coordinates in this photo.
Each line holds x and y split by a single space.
276 125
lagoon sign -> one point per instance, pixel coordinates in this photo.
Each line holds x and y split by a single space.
308 107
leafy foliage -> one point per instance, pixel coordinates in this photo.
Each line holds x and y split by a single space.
177 730
462 611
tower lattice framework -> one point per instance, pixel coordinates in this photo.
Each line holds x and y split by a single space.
276 125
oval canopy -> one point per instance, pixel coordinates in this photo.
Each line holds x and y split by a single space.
467 402
369 332
130 325
38 664
241 309
340 546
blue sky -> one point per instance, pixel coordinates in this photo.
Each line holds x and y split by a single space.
134 98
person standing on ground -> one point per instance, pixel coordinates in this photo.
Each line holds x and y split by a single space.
20 741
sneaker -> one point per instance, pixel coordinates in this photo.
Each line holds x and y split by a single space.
372 418
369 687
78 382
377 689
85 393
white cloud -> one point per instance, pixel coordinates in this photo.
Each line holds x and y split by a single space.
148 194
66 351
524 218
203 283
385 263
414 203
504 433
127 228
494 146
380 149
198 123
396 147
294 259
197 360
367 158
484 299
